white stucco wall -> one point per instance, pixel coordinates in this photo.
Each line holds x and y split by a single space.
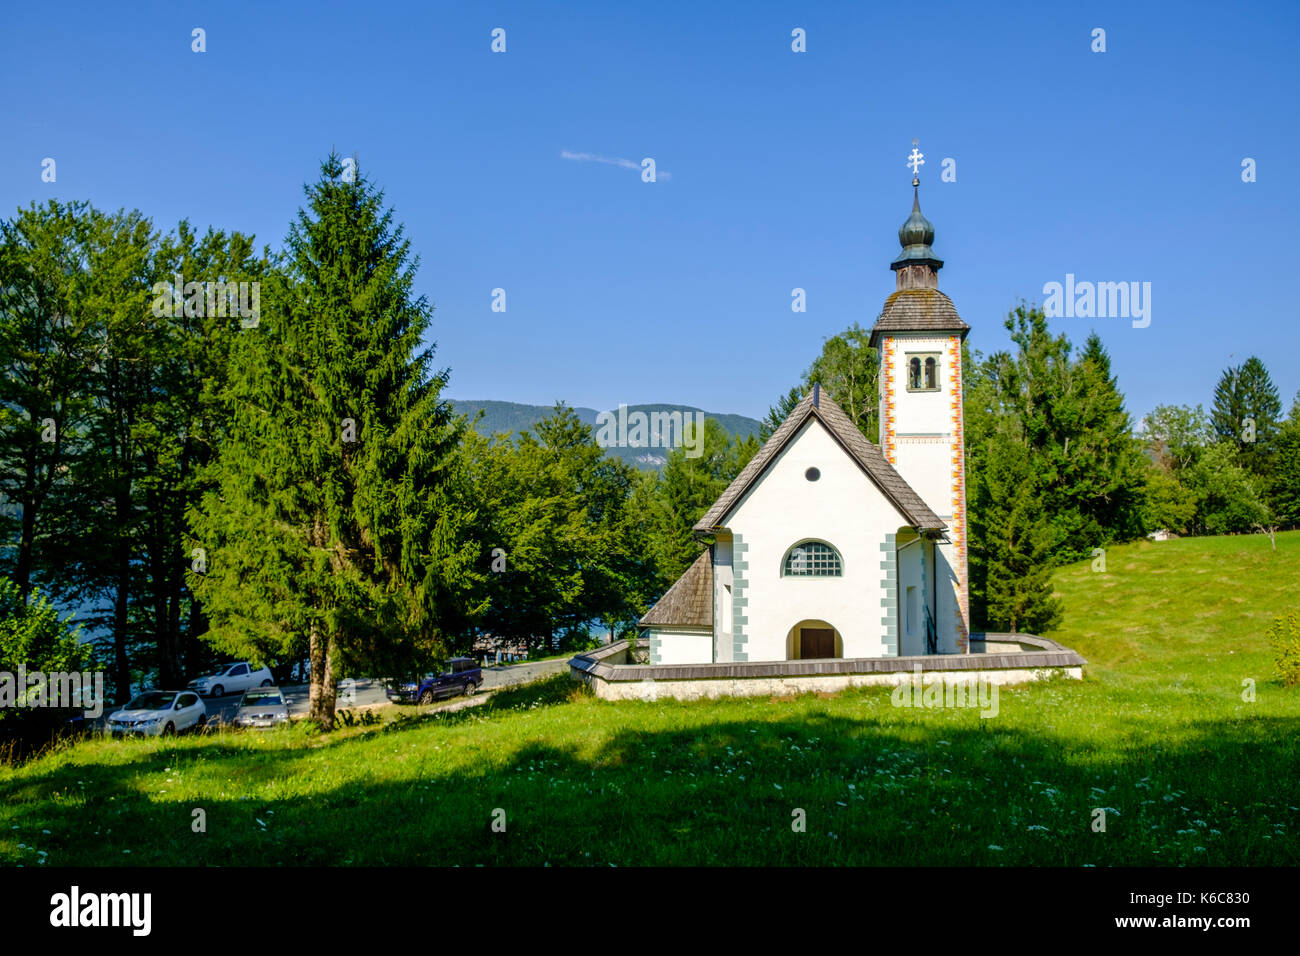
843 508
950 613
911 633
723 601
669 646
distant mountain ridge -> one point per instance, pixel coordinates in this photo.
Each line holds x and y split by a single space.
511 417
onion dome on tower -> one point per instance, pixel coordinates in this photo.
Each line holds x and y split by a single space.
915 237
917 305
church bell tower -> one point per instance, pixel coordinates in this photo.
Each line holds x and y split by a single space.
918 337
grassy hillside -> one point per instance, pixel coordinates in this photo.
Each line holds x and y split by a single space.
511 417
1163 608
1157 733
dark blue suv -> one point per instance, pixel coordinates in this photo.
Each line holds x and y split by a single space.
462 676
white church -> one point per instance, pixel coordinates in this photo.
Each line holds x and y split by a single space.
827 546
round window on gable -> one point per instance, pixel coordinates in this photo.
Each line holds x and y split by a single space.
812 474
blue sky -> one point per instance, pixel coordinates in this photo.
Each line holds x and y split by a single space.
786 169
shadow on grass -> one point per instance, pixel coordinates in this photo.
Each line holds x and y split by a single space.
811 788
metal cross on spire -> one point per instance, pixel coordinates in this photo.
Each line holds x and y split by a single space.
915 162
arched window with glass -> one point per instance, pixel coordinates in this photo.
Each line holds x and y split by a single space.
812 559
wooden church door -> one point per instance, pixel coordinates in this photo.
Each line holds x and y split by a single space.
816 642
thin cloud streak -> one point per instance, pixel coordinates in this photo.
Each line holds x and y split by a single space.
609 161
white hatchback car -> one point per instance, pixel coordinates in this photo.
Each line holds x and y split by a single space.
158 712
234 679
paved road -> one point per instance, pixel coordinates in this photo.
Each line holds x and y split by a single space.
370 692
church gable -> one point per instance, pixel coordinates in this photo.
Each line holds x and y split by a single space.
813 489
818 407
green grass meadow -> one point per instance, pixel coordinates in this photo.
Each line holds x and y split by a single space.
1157 734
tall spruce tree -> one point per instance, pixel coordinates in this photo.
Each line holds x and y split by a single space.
182 426
1085 462
1013 538
46 343
1053 469
332 521
125 381
1246 413
1104 461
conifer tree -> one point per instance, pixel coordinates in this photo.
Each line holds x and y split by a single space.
1104 461
1053 469
124 382
1013 537
333 522
45 346
1246 413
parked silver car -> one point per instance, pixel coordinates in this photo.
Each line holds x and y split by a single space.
262 707
232 679
158 712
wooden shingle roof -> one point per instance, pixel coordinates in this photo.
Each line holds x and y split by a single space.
918 310
868 456
689 602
